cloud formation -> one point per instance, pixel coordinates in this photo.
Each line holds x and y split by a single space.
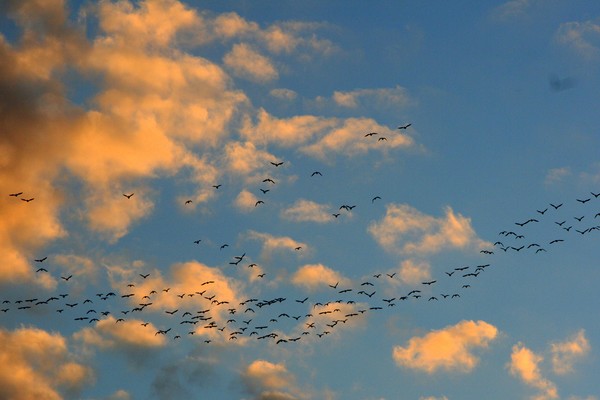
449 349
406 230
566 353
38 365
271 381
524 364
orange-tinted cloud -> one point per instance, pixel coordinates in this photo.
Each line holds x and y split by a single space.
307 211
566 353
38 365
449 349
406 230
315 276
524 364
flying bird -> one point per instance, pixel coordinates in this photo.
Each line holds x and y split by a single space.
16 194
404 126
28 200
316 173
41 259
188 202
128 195
277 164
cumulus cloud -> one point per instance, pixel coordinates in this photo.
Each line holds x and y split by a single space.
314 276
307 211
271 381
406 230
34 355
248 63
448 349
178 290
566 353
524 364
246 201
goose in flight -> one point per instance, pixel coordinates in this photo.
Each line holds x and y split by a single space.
188 202
259 202
404 126
41 259
28 200
277 164
316 173
217 186
268 180
128 195
16 194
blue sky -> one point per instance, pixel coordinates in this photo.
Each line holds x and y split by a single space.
215 200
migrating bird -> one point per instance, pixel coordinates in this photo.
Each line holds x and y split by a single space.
277 164
259 202
41 259
375 198
316 173
128 195
16 194
66 278
188 202
404 126
28 200
144 276
217 186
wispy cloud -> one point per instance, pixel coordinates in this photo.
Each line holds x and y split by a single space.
566 353
307 211
581 36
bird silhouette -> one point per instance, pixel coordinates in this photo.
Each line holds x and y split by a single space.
128 195
41 259
16 194
277 164
404 126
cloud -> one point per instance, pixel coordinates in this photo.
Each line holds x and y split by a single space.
283 94
412 272
397 97
246 201
557 175
446 349
272 244
123 335
248 63
524 364
176 378
406 230
307 211
39 365
566 353
512 9
582 37
271 381
314 276
179 290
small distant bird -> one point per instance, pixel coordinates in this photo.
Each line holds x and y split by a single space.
265 191
269 180
556 207
41 259
16 194
370 134
41 270
298 248
28 200
404 126
224 245
188 202
128 195
316 173
381 138
217 186
144 276
67 277
375 198
259 202
197 241
261 275
277 164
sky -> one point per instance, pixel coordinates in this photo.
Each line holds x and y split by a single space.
299 200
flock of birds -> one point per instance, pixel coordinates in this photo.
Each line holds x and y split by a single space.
205 312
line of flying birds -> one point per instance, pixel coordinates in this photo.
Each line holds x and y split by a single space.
266 319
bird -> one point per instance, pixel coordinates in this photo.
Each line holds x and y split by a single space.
264 191
375 198
197 241
268 180
217 186
41 270
371 134
382 138
277 164
66 278
188 202
298 248
41 259
316 173
404 126
224 245
16 194
128 195
259 202
334 286
144 276
28 200
556 207
583 201
429 283
542 211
